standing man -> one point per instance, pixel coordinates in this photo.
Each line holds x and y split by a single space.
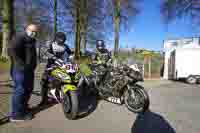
23 53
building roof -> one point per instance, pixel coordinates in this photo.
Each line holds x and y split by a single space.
174 39
181 42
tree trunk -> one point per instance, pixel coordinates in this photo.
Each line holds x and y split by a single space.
84 42
117 27
85 24
55 16
78 33
7 27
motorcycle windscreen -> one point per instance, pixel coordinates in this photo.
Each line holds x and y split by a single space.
61 75
69 87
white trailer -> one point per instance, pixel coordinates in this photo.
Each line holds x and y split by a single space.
184 63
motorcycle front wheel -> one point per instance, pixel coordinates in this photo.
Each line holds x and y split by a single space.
70 105
136 99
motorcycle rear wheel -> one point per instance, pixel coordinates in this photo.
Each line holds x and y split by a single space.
70 105
139 103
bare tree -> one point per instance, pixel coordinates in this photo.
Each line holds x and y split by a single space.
86 18
122 12
92 20
172 9
1 8
28 11
55 16
7 27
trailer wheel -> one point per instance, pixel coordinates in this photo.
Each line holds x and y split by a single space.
191 80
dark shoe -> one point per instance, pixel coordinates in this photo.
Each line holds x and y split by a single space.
21 118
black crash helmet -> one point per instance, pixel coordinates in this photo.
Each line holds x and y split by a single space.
60 37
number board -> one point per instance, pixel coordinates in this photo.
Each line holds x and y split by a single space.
72 67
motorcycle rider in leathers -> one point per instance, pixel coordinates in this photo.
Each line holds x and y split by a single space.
102 55
101 59
57 50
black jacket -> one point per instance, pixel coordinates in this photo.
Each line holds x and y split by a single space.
22 50
47 50
103 56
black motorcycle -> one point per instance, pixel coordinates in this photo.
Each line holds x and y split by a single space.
118 85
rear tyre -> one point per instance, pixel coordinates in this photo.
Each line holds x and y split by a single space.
191 80
70 105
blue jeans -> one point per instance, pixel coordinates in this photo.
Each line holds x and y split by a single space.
18 97
29 85
24 81
11 67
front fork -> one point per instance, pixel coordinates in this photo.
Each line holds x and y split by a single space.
131 91
56 95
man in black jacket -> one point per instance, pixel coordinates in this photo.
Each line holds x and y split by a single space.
23 52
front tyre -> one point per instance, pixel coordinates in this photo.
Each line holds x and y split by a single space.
136 99
70 105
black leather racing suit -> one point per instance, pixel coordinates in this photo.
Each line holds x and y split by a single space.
53 52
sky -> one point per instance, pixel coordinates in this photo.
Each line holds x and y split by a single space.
149 32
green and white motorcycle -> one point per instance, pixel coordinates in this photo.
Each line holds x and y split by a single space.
63 79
